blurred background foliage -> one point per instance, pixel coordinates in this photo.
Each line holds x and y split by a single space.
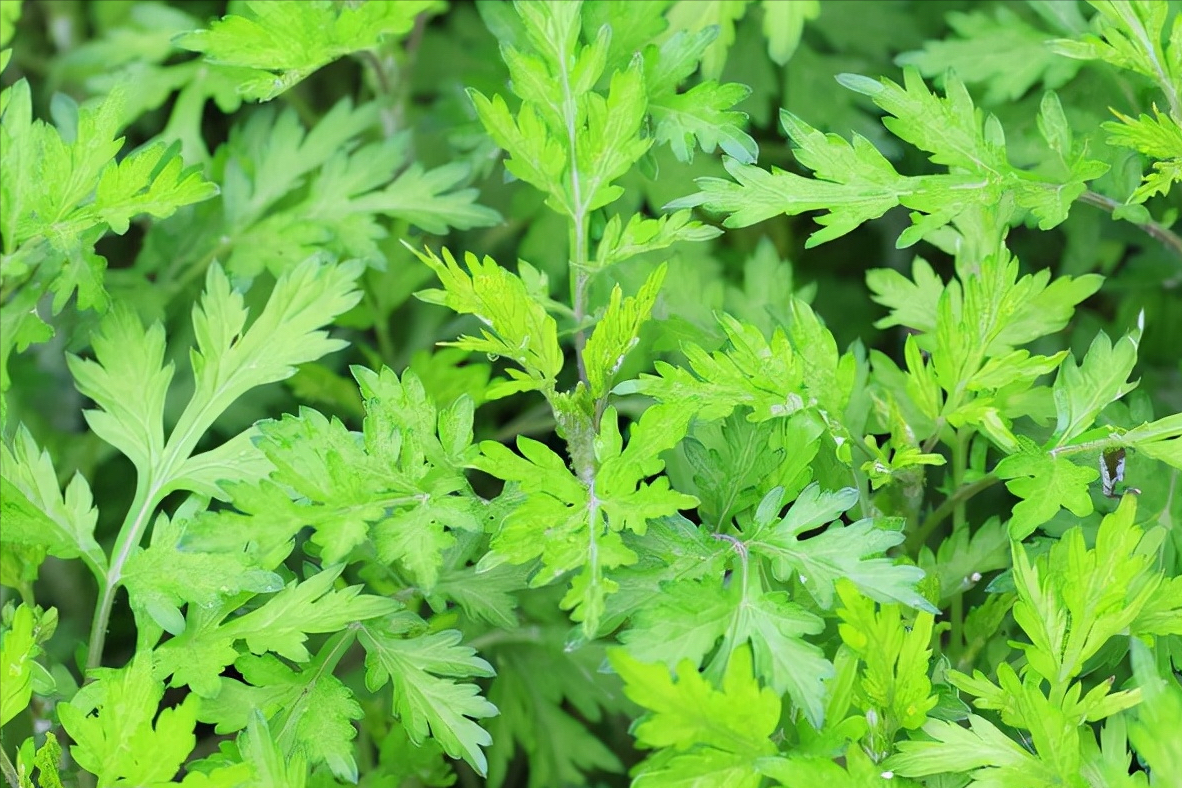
411 112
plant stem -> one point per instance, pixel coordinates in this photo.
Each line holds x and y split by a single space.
960 450
10 775
580 280
956 616
130 534
960 461
1152 48
381 327
1158 232
322 664
579 246
1079 448
933 520
503 637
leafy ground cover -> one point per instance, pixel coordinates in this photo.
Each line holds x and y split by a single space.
611 393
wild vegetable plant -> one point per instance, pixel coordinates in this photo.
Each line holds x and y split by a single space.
613 498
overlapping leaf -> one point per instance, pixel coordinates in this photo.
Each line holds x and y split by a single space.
854 183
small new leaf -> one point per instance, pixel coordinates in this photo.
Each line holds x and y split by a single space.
618 332
518 327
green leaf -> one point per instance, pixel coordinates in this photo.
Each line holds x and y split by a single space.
736 463
1070 613
738 716
971 327
8 20
283 623
399 485
692 17
427 698
1158 136
1081 392
25 629
311 710
164 576
895 680
985 752
912 302
962 559
783 24
128 742
839 551
1160 711
150 181
617 332
753 372
783 658
568 140
229 360
683 624
295 191
283 42
47 761
672 550
428 199
518 326
828 375
64 190
1161 440
1130 37
1046 483
854 183
550 697
703 115
997 50
582 520
487 596
280 625
720 731
266 758
129 381
37 514
621 242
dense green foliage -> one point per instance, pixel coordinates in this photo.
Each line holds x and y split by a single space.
652 392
